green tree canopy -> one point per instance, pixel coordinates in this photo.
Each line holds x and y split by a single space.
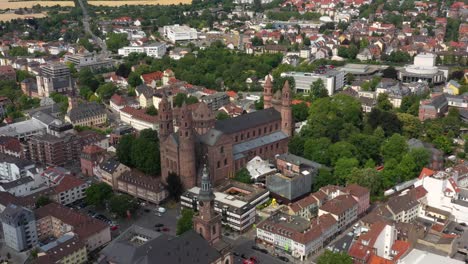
221 115
329 257
318 90
316 149
42 200
116 41
300 112
121 203
244 176
98 193
394 147
185 222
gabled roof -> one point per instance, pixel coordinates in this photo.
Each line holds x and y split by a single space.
250 120
426 173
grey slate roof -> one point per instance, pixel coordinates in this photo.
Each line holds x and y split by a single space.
21 163
18 182
299 161
257 142
110 165
189 247
86 110
247 121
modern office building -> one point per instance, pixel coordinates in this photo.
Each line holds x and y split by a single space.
155 50
177 33
19 227
289 187
89 60
54 77
332 79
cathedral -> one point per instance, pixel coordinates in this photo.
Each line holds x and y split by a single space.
224 145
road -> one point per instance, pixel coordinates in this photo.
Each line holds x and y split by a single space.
104 53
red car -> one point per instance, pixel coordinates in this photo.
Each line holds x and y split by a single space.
251 260
165 229
113 228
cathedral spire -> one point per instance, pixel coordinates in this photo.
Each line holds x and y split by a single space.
206 191
267 92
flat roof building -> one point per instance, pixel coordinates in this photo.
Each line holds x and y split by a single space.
333 80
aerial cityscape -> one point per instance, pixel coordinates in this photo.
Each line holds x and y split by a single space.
233 131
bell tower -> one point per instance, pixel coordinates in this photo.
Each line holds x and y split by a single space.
287 122
187 167
207 223
165 118
267 92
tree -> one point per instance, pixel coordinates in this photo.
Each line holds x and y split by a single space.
243 176
443 143
85 92
134 79
98 193
385 119
317 90
123 70
121 204
316 149
383 102
394 147
367 177
342 168
185 222
296 145
174 186
390 72
329 257
145 155
22 75
116 41
341 149
412 127
88 79
300 112
221 115
324 178
152 111
106 90
124 149
256 41
408 167
180 98
42 200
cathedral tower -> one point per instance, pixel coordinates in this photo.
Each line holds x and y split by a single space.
267 92
187 168
207 223
165 119
287 122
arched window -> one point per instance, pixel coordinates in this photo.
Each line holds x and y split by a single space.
226 261
214 230
200 231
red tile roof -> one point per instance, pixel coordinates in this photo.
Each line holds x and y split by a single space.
118 99
357 190
371 236
68 182
426 173
401 247
297 101
92 149
360 252
339 205
83 225
379 260
231 93
152 76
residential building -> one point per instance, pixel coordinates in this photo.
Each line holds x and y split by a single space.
89 60
333 80
308 206
459 101
452 87
54 151
19 227
109 170
216 101
343 208
13 168
155 50
227 144
142 186
86 114
235 201
288 163
138 118
55 220
361 195
70 189
177 33
20 187
54 77
433 108
7 73
406 207
296 235
66 249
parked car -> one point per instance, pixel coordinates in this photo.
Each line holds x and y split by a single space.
146 210
165 229
114 227
158 225
264 251
283 258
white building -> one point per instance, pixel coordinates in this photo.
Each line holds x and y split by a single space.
20 187
69 190
180 33
138 119
333 80
19 227
238 211
343 208
155 50
13 168
417 256
444 193
423 69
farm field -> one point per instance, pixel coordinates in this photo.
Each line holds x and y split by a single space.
4 4
11 16
138 2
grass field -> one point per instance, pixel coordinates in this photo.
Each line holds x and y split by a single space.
4 4
8 17
138 2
